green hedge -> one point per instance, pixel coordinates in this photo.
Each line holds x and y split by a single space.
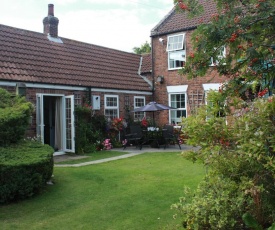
24 170
15 113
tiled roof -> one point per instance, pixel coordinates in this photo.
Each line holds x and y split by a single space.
28 56
176 21
146 66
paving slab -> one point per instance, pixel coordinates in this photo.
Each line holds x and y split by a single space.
131 152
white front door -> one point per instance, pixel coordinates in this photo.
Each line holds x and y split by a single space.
62 111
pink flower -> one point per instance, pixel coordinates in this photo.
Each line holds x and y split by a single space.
107 144
124 142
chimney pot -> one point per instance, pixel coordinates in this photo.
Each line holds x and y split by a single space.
50 10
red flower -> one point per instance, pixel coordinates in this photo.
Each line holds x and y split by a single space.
263 92
192 55
144 122
117 124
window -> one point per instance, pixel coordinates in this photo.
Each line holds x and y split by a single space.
139 102
213 87
111 106
77 99
221 55
176 51
178 99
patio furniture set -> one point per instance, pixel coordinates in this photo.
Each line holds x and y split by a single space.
153 136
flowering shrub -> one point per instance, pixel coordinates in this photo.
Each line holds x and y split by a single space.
117 124
144 122
87 106
107 145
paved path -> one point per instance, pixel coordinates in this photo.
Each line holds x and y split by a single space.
132 151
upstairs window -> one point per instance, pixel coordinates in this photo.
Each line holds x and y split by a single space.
176 51
221 54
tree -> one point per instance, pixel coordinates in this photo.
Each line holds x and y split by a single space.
238 192
143 49
247 29
239 188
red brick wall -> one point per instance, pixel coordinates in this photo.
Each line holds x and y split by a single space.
31 97
172 77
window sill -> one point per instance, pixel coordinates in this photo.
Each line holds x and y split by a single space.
176 68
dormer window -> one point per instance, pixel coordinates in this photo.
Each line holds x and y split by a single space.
220 56
176 51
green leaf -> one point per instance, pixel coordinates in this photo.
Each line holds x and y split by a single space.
250 221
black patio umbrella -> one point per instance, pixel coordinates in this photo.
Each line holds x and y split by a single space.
152 107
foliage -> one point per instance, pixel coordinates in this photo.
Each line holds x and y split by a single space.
107 145
90 130
217 204
241 154
143 49
246 28
15 113
118 124
24 170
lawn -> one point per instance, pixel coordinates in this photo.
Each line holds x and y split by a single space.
133 193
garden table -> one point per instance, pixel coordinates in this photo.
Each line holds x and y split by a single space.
153 136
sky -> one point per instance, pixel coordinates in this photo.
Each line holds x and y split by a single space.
117 24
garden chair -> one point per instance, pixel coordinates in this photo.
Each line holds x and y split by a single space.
170 136
135 136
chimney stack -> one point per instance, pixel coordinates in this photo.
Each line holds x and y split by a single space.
51 23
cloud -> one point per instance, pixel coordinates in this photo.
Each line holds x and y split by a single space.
118 24
117 29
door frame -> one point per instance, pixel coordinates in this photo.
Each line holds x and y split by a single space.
67 122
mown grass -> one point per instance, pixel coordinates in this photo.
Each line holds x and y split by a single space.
133 193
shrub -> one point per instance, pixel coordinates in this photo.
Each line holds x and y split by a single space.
242 155
14 117
24 169
218 203
90 130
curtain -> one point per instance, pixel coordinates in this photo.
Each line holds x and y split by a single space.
58 122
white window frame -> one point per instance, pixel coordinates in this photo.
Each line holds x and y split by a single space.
211 86
107 107
138 115
219 57
208 87
176 49
174 90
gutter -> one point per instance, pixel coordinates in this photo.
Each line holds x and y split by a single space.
174 31
153 69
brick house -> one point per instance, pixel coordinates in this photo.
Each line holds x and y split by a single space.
171 44
56 74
